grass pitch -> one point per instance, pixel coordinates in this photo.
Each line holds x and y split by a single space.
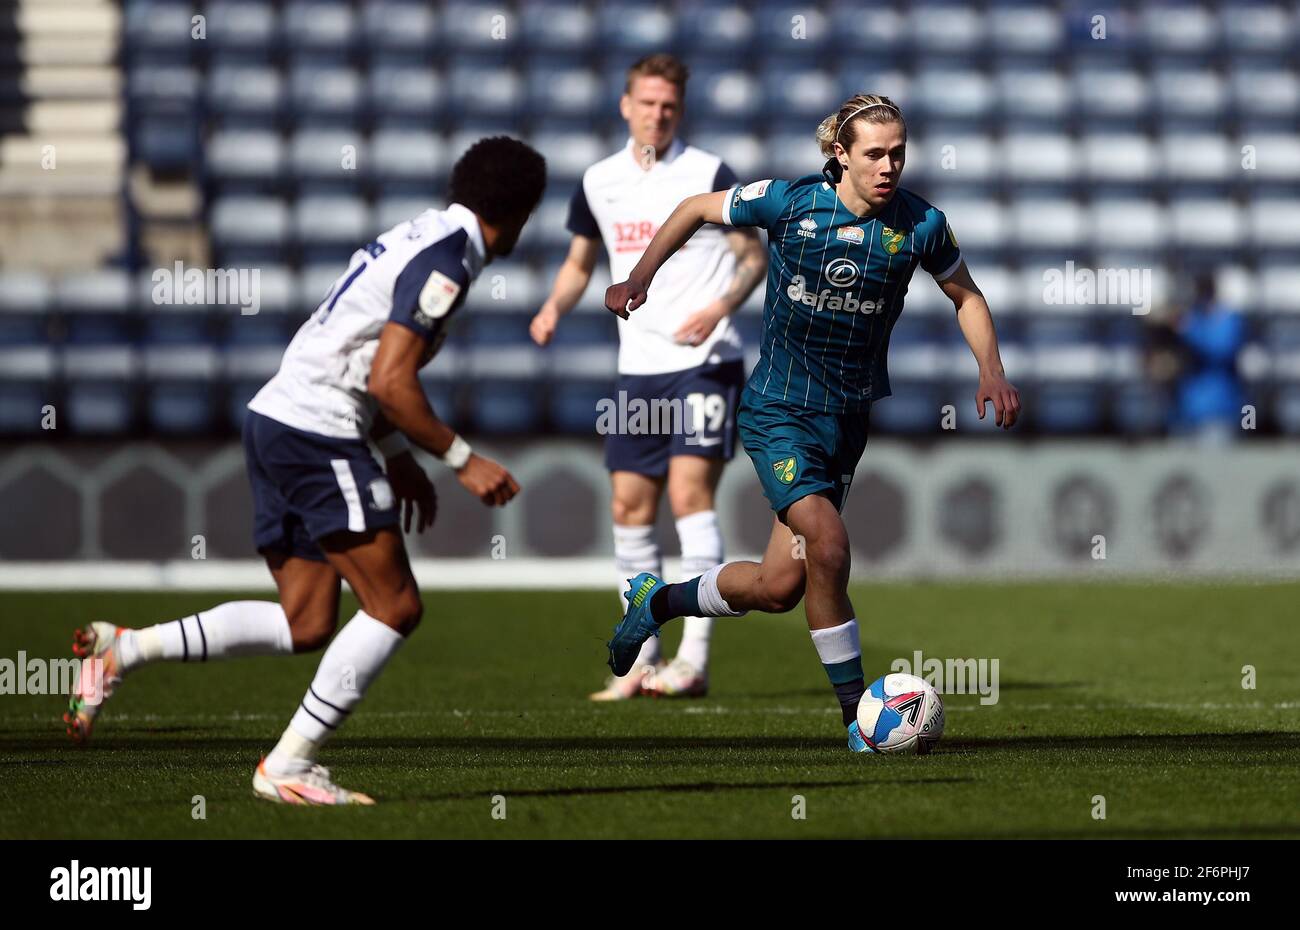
1132 693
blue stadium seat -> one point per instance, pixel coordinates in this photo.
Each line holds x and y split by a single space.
1054 224
947 30
1286 408
479 91
1040 158
880 34
323 29
1069 407
479 31
159 30
1182 30
1279 288
241 25
411 94
322 94
953 94
1123 157
400 31
22 399
1033 97
408 155
249 221
634 28
793 30
1140 409
1257 29
559 27
99 407
560 91
1106 90
568 155
171 328
914 408
319 155
1025 30
506 407
181 408
743 153
179 380
573 404
256 155
243 92
1275 225
802 94
716 30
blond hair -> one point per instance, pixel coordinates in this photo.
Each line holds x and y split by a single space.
661 65
841 126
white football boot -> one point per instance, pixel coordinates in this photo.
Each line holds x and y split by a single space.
680 679
631 685
312 787
98 677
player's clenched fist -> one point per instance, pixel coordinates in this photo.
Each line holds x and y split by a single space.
624 298
487 481
542 328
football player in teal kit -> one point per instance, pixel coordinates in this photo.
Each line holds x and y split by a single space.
843 246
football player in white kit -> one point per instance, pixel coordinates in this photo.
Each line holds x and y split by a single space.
687 352
323 507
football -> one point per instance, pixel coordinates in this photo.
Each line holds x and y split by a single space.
901 713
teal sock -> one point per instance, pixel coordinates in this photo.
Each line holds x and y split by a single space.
676 600
849 684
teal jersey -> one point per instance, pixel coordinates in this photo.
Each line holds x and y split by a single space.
835 287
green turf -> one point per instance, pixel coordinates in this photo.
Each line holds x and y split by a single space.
1130 692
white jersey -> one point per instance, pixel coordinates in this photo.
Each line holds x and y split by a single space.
416 275
624 205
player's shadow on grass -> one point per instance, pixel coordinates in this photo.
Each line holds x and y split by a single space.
681 788
1257 741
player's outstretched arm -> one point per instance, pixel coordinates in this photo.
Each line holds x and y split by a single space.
690 215
395 385
976 324
570 283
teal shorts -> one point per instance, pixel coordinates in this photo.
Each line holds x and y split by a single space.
798 451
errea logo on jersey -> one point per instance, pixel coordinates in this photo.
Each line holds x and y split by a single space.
807 228
829 300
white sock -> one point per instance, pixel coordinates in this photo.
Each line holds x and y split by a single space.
636 551
701 539
353 660
236 628
712 603
837 643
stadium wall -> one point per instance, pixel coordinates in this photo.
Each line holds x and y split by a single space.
178 515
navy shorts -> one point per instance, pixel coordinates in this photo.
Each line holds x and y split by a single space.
307 486
688 412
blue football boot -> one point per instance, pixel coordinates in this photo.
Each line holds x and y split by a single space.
636 626
856 742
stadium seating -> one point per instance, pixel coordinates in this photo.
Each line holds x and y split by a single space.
311 125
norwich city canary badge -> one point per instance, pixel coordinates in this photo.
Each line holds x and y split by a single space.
891 240
784 470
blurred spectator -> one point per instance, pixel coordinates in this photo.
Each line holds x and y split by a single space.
1210 393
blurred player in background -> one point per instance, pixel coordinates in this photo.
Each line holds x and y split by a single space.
686 350
843 246
323 508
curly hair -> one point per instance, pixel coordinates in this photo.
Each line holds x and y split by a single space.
499 178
